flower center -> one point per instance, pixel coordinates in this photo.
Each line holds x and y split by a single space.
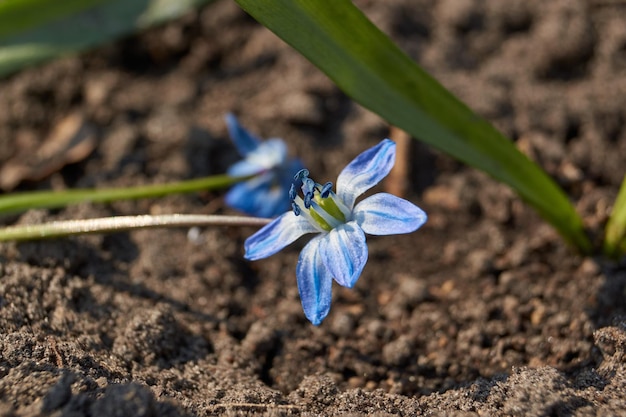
319 204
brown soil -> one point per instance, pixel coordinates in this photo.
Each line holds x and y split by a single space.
484 311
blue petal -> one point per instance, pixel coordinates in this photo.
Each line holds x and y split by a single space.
344 253
269 154
314 282
238 197
386 214
275 203
259 197
266 195
276 235
244 168
365 171
244 140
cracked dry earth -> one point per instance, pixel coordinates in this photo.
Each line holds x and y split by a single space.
484 311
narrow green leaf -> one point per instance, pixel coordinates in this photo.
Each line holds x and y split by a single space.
336 37
32 31
615 232
19 15
16 202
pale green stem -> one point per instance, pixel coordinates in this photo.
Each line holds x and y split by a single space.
122 223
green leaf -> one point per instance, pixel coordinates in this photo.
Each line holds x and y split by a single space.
35 30
19 15
615 232
16 202
336 37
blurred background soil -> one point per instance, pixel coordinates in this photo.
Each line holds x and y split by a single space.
484 311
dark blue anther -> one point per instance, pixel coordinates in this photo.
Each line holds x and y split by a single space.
292 192
326 189
308 186
302 174
308 191
296 209
307 200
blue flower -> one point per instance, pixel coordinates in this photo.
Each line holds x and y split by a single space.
265 195
339 251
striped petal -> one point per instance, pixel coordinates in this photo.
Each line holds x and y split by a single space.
386 214
365 171
314 282
345 253
283 231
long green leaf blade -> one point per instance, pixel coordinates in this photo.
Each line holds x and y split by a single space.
16 202
336 37
32 31
19 15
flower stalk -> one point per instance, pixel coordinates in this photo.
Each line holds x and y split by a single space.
65 228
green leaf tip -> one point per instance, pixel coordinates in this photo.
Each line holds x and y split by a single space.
615 231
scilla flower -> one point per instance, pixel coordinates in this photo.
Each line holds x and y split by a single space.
265 195
339 251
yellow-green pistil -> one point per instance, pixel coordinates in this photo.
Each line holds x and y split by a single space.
320 205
